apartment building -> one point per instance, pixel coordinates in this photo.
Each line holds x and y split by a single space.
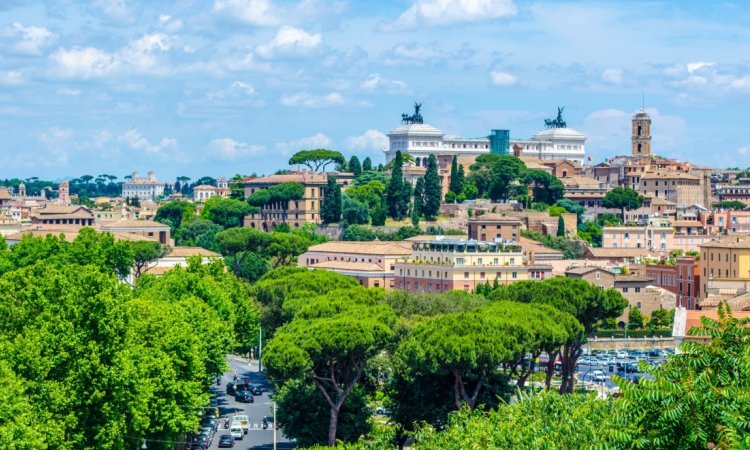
495 227
725 264
444 264
295 213
683 278
372 263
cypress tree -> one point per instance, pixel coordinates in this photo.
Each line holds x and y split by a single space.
457 177
405 199
354 166
330 209
560 226
395 188
419 196
432 190
366 164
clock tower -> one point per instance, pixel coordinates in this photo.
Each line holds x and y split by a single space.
641 134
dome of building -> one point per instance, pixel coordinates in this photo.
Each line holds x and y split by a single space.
552 134
416 129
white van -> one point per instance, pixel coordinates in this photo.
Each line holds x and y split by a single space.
242 421
236 432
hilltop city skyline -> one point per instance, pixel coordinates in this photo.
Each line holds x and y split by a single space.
237 86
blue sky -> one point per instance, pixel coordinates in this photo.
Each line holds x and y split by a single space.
218 87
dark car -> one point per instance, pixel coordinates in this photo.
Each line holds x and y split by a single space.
226 440
230 388
244 396
256 389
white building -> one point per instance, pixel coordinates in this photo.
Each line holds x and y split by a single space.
420 140
143 188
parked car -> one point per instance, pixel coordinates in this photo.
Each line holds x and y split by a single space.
230 388
244 396
622 354
598 376
226 440
256 389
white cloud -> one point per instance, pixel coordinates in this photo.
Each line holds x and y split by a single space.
374 81
169 23
743 150
503 78
31 40
613 76
12 77
693 67
414 54
56 141
319 140
100 138
245 88
138 56
133 139
305 100
228 149
253 12
371 141
445 12
290 40
117 10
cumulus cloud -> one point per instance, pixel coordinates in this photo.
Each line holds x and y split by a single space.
290 40
133 139
743 150
414 54
446 12
503 78
69 91
265 13
612 76
318 140
29 40
89 62
169 23
371 141
305 100
228 149
253 12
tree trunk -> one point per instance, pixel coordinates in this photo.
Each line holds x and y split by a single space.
569 356
332 426
550 369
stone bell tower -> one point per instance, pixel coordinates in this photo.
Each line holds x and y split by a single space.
641 134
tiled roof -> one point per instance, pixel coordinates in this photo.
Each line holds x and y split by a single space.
184 252
633 278
687 223
494 217
366 247
582 270
70 235
63 210
130 223
736 241
530 245
661 175
205 187
348 265
597 252
693 317
304 178
4 194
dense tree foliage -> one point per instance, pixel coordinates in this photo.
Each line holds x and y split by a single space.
355 167
175 213
396 198
622 198
570 248
227 212
280 193
330 207
366 164
317 159
730 204
198 233
432 191
494 176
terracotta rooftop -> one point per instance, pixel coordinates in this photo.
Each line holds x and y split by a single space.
184 252
661 175
736 241
687 223
633 278
494 217
583 270
4 194
347 265
130 223
70 235
304 178
530 245
692 319
597 252
63 210
386 248
205 187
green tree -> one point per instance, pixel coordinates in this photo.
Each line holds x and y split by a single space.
370 193
354 211
175 213
366 164
285 247
635 318
432 191
378 215
661 318
144 253
237 187
731 204
589 304
699 396
227 212
317 159
354 166
238 243
398 206
330 208
560 226
572 207
328 343
457 177
198 233
546 188
622 198
418 205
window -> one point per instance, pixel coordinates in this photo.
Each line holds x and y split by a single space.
481 275
625 289
598 275
466 275
638 289
638 305
514 275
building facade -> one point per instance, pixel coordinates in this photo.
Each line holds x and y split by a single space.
443 264
75 215
683 278
495 227
725 263
641 134
143 188
295 213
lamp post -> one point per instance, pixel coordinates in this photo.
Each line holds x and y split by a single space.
260 349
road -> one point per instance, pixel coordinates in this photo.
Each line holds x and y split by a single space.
256 437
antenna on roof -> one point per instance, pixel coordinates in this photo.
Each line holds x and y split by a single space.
643 100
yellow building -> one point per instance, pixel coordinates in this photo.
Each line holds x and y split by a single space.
725 264
295 212
444 264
